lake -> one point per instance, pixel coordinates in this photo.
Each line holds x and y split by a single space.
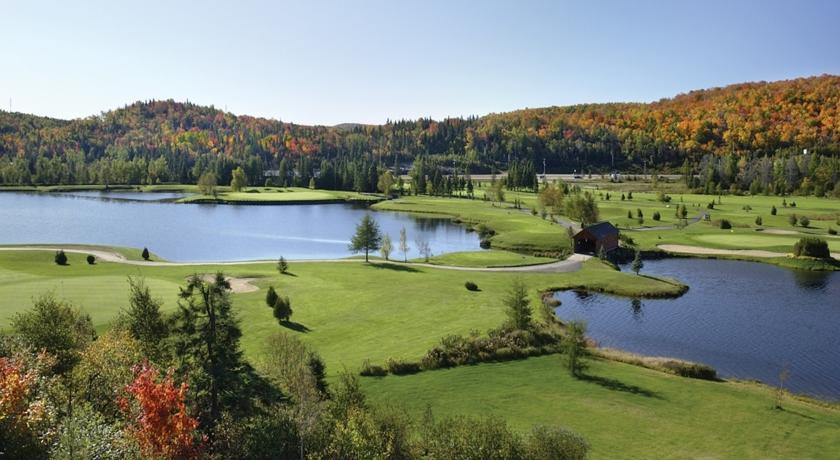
747 320
210 232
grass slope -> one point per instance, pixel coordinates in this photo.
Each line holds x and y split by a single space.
515 229
487 258
624 411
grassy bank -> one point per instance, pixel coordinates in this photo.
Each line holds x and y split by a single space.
624 411
487 258
514 229
277 195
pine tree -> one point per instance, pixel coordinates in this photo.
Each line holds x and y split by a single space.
271 297
283 309
518 306
282 265
145 254
206 337
367 238
145 322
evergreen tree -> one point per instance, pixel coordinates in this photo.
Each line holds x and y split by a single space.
145 322
283 309
271 297
206 337
367 237
518 307
575 346
145 254
282 265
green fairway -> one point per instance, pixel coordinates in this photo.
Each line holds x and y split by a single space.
624 411
486 258
515 229
277 195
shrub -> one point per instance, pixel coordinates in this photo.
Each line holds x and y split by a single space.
471 438
555 442
773 210
90 259
484 231
691 370
804 221
832 231
400 367
711 205
60 257
629 214
758 220
792 219
282 265
372 370
484 243
725 224
810 246
471 286
656 215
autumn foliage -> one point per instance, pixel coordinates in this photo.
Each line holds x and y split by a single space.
159 420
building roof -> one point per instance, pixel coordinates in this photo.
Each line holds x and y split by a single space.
600 230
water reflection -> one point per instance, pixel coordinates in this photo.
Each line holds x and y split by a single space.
811 279
636 309
211 232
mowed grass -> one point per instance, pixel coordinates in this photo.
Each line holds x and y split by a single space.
741 211
515 229
487 258
623 411
348 311
280 195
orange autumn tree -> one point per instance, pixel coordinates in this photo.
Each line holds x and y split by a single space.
159 420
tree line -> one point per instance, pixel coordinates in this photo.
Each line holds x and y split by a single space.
164 141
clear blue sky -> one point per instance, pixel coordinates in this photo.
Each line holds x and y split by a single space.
333 62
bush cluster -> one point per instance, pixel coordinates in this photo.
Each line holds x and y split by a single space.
499 345
811 246
401 367
691 370
725 224
471 286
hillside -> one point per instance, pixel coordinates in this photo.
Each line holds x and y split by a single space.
159 141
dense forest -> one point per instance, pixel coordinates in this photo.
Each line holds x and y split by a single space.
747 137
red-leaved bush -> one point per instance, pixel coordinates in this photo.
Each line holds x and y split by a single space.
159 420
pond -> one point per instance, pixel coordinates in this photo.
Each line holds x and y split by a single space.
747 320
210 232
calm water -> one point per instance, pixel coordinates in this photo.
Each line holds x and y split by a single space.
208 232
747 320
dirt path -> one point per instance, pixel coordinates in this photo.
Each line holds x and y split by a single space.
684 249
572 264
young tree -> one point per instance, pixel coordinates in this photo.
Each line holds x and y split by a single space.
582 208
207 184
60 257
145 322
404 244
517 306
206 340
239 180
385 183
575 345
385 250
637 263
283 309
758 220
271 297
145 254
282 265
367 238
56 327
423 248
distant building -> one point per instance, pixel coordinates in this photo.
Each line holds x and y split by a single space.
591 239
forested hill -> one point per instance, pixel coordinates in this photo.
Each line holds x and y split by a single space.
160 141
